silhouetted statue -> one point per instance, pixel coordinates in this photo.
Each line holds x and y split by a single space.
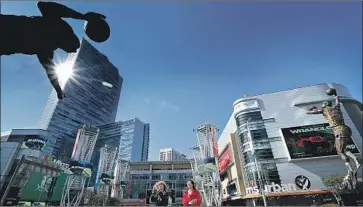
42 35
342 134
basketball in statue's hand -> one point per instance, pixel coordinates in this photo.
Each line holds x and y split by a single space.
331 92
97 29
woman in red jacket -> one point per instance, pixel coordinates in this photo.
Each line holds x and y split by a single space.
192 196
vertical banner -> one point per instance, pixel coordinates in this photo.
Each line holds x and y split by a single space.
116 181
215 143
98 173
76 144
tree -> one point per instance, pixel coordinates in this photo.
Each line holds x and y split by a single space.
334 184
333 181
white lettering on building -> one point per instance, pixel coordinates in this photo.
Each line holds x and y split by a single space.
58 162
273 188
313 129
351 147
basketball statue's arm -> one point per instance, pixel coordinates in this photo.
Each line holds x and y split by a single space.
314 110
56 10
46 59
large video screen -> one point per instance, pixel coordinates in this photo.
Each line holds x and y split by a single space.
312 141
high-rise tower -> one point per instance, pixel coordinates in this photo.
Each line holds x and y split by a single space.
92 96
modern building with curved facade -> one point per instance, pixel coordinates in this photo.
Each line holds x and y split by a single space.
88 100
280 145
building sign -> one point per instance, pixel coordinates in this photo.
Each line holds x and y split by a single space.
312 141
246 105
302 182
224 160
58 162
273 188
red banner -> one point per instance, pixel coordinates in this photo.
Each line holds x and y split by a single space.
215 143
224 160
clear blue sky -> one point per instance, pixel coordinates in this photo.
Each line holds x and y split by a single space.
184 63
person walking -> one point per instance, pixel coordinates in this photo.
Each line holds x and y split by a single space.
191 197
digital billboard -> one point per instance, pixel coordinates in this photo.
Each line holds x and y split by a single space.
33 142
312 141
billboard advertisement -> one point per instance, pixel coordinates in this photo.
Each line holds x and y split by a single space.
224 160
312 141
34 142
37 187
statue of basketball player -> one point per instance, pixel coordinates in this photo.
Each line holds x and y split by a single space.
342 133
42 35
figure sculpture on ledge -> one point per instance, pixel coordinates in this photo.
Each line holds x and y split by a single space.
42 35
342 134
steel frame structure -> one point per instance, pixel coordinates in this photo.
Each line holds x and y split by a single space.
121 174
106 166
82 151
206 175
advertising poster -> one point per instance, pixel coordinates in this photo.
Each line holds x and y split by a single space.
37 187
312 141
224 160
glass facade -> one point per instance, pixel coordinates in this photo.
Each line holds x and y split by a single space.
134 143
87 100
130 136
255 150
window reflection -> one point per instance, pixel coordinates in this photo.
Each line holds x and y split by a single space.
252 137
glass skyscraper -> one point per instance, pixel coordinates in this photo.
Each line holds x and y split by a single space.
131 137
88 100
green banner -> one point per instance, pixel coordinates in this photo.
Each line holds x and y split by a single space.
58 188
37 187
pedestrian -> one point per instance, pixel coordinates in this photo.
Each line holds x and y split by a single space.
159 195
191 196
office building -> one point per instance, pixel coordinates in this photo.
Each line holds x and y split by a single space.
88 99
131 137
143 176
170 154
274 136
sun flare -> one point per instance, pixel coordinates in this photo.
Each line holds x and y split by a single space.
64 71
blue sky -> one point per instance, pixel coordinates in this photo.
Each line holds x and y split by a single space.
184 63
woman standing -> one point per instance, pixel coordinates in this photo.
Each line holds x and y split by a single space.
192 196
159 195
